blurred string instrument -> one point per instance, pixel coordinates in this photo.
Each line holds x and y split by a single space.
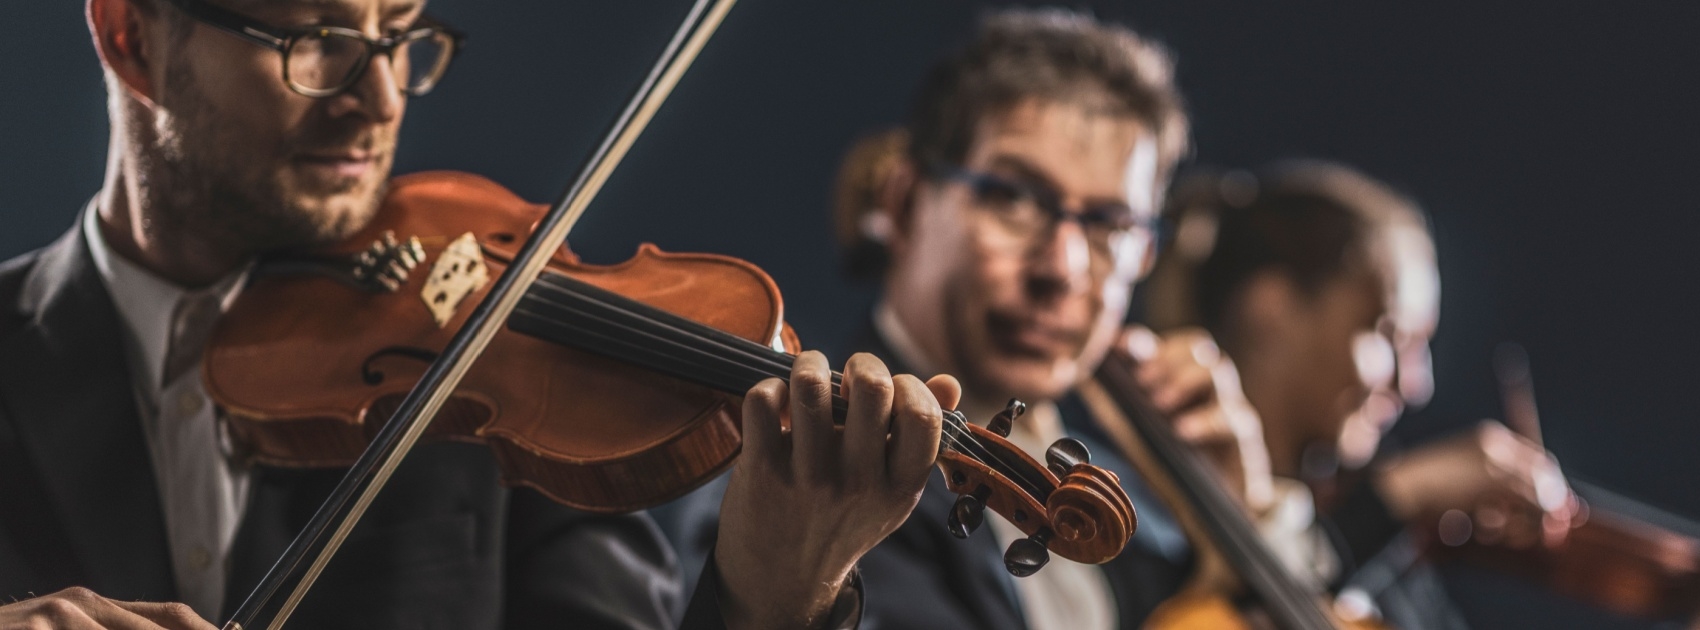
1620 555
1234 566
607 388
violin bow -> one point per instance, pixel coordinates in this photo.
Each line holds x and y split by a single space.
313 548
1517 391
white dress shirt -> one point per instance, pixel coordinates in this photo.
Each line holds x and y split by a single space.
201 490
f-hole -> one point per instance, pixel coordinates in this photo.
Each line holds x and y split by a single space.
370 374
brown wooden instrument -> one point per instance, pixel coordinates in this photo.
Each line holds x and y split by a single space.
1617 555
614 389
1233 561
1623 563
608 388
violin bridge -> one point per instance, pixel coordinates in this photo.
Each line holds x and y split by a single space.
460 271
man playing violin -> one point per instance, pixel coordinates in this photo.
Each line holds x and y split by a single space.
1012 224
241 128
1016 225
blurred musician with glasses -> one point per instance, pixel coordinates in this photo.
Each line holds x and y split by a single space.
1008 223
245 127
1321 284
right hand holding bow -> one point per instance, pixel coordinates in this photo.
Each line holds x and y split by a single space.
81 609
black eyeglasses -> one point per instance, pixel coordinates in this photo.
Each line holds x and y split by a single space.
325 60
1031 211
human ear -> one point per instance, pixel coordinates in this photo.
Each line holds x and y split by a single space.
117 27
897 203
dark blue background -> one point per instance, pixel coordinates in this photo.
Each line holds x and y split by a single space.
1554 145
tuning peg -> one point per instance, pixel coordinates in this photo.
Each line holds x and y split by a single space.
1026 556
966 516
1001 423
1064 454
968 513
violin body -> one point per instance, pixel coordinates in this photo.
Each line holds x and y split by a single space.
1614 561
309 365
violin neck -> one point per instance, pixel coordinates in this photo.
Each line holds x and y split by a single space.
575 314
565 311
1290 605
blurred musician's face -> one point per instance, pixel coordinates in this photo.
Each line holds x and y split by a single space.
1393 359
1340 364
235 154
1025 313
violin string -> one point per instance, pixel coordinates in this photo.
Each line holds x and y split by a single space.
767 362
777 365
1239 538
583 329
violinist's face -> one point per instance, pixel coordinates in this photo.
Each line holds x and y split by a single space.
1025 314
1339 364
1393 360
1319 361
238 155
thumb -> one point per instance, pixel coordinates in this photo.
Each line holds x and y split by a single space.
945 388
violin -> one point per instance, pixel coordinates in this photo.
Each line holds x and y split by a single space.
614 388
607 388
1618 554
1615 558
1233 561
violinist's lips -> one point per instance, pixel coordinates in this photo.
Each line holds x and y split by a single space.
1031 336
351 165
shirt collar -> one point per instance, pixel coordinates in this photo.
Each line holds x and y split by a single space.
146 302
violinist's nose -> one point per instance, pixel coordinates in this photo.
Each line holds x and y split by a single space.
377 96
1059 261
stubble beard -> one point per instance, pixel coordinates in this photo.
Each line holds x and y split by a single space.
209 188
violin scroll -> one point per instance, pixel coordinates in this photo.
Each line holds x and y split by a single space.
1070 507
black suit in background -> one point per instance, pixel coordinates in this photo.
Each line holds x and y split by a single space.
443 546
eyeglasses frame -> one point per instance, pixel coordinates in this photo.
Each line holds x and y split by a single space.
1047 201
283 40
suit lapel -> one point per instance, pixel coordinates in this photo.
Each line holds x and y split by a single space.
68 389
975 565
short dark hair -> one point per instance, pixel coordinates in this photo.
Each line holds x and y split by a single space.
1312 220
1051 54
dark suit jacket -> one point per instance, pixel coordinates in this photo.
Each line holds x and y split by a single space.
443 546
923 578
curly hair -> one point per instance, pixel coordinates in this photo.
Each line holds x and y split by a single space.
1051 54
